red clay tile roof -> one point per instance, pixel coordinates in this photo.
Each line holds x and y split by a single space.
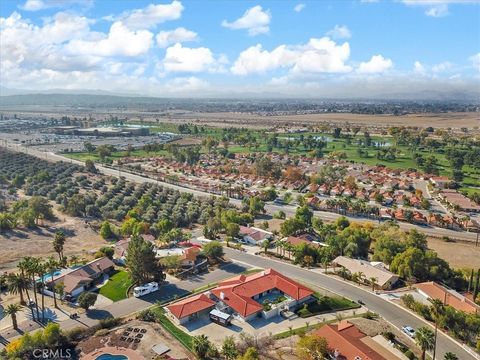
238 292
347 340
190 305
448 297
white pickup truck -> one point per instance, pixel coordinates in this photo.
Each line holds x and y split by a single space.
145 289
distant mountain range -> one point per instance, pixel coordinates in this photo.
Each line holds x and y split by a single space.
58 97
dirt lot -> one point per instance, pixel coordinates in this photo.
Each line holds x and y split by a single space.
154 335
459 254
81 241
443 120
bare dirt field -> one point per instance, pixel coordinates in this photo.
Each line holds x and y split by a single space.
460 255
440 120
81 241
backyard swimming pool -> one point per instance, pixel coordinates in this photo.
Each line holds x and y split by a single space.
48 276
111 357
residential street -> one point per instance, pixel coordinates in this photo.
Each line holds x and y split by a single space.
271 208
390 312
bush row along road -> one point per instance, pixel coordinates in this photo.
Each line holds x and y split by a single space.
392 313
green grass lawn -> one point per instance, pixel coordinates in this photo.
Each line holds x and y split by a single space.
323 304
116 287
179 334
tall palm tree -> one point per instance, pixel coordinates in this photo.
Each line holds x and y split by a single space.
12 310
437 308
31 270
52 265
41 272
17 284
373 280
425 338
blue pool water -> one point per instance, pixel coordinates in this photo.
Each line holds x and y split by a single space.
111 357
48 276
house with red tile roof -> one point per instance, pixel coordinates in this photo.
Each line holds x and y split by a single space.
190 308
432 290
246 296
347 342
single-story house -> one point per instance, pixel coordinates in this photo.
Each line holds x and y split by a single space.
83 278
347 342
253 235
385 279
432 290
190 308
263 294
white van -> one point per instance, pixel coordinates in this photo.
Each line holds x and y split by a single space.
145 289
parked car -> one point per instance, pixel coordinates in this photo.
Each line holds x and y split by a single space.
409 331
145 289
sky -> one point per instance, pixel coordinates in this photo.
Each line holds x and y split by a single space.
229 48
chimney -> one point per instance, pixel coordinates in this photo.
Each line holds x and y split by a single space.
222 295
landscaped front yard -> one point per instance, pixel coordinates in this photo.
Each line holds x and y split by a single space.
116 287
323 304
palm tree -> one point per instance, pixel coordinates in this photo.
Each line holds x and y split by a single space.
425 338
31 270
17 284
373 280
437 310
74 259
23 265
52 266
201 345
450 356
41 271
265 245
12 310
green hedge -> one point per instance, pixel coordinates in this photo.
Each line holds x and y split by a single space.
324 304
180 335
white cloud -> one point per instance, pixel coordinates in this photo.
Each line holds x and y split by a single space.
317 56
152 15
437 10
179 35
442 67
37 5
255 20
376 64
340 32
33 5
299 7
475 60
184 59
187 84
120 41
419 68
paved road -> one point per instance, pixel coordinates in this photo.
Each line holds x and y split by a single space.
271 208
387 310
391 312
167 292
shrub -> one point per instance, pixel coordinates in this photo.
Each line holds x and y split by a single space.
75 334
109 322
146 315
102 332
409 354
389 335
